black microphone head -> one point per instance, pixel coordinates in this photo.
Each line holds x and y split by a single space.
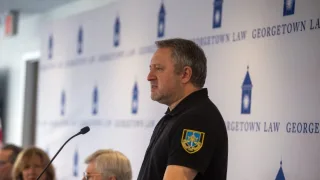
84 130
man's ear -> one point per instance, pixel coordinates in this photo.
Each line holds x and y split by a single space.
186 74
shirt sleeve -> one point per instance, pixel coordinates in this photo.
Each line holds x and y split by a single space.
193 143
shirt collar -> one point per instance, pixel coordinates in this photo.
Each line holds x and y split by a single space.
188 101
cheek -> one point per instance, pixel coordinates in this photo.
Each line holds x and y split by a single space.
169 83
25 173
39 170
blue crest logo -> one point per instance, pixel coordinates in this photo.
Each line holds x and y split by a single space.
63 103
217 13
80 41
161 21
280 175
192 141
116 35
50 47
135 99
95 99
288 7
75 163
246 94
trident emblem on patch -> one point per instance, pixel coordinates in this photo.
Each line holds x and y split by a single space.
191 140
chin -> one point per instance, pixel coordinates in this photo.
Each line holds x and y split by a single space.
162 101
154 98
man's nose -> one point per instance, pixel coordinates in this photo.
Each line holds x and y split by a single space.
151 76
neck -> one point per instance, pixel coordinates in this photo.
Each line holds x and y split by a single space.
186 92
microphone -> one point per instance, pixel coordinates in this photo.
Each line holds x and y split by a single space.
82 131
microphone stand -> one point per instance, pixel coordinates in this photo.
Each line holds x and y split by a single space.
82 131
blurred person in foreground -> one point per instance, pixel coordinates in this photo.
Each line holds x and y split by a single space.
30 163
8 155
107 164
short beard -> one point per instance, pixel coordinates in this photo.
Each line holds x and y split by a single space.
167 99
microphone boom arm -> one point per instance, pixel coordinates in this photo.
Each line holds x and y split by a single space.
82 131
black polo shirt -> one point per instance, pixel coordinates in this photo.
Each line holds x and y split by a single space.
193 135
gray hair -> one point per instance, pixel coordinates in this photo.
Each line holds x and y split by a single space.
111 163
187 53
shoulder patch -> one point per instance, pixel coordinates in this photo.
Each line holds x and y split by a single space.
191 140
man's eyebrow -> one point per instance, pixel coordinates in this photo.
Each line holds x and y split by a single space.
155 65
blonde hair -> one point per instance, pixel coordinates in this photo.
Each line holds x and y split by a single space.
24 158
111 163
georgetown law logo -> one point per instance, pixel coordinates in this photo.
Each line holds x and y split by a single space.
280 175
80 41
63 103
161 21
135 98
288 7
95 101
116 33
50 47
246 96
217 13
76 163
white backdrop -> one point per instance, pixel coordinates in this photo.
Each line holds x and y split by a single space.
92 62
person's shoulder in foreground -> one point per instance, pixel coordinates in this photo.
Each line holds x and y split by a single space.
108 164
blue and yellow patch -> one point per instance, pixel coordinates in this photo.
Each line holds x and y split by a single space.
191 140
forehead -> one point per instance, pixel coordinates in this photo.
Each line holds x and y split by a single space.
34 159
91 168
162 56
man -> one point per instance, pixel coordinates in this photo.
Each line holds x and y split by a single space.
108 165
8 155
190 141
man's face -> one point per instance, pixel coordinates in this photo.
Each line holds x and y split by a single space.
165 83
4 156
92 173
5 165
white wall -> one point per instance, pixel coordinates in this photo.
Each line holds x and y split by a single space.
13 52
